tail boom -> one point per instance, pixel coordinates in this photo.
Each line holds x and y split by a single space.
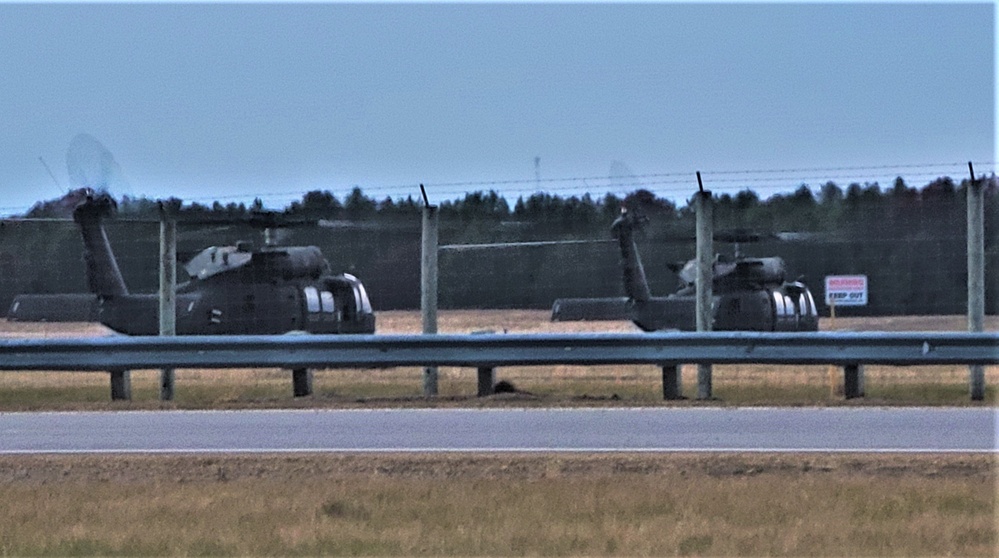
103 274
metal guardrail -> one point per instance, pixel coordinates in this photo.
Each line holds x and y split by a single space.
488 351
494 350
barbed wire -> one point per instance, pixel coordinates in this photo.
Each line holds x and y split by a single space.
667 183
686 181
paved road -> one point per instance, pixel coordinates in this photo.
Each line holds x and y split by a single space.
659 429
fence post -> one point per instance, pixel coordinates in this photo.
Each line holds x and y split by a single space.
704 278
672 382
428 285
121 385
168 293
976 277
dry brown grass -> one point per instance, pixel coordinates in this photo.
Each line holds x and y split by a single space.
572 385
505 504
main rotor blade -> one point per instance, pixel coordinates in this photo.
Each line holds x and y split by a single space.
466 247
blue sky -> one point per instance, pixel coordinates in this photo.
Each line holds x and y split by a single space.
236 101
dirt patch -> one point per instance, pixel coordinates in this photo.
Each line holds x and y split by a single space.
142 469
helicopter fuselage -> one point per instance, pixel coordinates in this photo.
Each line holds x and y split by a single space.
749 294
234 290
329 305
788 307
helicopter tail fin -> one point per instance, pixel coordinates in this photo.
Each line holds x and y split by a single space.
103 274
635 284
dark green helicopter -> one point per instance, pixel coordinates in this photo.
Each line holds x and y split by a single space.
233 290
749 294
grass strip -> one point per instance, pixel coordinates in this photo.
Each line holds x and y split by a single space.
500 504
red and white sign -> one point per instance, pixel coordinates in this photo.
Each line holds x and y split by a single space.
846 290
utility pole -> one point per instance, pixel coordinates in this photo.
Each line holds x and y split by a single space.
976 277
705 276
428 285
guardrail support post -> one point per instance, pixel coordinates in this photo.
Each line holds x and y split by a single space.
976 381
121 385
301 382
487 379
167 380
704 389
853 381
672 383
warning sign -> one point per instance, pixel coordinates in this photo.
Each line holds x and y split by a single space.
846 290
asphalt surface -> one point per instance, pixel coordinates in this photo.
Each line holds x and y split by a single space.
426 430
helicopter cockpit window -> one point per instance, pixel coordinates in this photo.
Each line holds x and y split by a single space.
311 299
779 309
809 303
326 298
317 301
361 302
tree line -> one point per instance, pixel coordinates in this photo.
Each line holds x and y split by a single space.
827 208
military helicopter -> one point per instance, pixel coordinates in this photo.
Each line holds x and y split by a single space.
233 290
749 294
